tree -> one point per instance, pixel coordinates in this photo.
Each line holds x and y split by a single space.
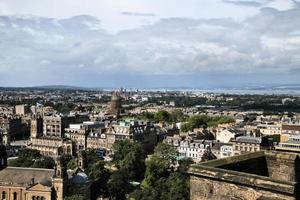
177 115
176 187
100 175
165 151
32 158
118 185
162 116
130 156
44 162
160 164
134 164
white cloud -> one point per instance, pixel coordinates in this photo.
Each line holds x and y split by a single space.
266 43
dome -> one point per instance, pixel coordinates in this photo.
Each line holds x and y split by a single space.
80 178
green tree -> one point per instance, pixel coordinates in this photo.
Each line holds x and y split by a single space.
130 156
177 115
162 116
118 185
100 175
160 164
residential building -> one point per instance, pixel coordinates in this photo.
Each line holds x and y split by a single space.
246 144
292 144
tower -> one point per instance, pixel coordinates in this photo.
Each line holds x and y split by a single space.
36 127
82 160
3 157
115 105
60 178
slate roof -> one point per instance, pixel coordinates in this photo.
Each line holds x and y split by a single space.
20 176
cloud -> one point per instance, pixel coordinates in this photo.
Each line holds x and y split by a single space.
78 49
244 3
138 14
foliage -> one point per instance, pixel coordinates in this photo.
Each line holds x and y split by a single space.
198 121
161 181
118 185
100 175
129 156
92 158
32 158
160 164
162 116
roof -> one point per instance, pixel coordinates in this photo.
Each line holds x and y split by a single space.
24 176
291 127
248 139
79 177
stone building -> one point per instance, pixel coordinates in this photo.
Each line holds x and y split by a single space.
18 183
83 134
246 144
51 141
269 175
10 128
21 110
7 110
86 137
146 133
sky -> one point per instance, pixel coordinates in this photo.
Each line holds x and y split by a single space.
149 43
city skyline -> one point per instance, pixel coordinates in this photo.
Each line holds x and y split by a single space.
149 44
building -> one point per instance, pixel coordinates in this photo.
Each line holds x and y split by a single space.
193 149
115 105
225 135
97 135
54 126
226 151
82 133
289 130
269 129
246 144
18 183
146 133
268 175
10 129
21 110
292 144
7 110
51 141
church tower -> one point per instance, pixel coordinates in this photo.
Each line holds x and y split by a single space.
60 178
36 128
82 160
3 157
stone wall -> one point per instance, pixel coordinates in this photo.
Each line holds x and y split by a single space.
209 189
283 166
267 175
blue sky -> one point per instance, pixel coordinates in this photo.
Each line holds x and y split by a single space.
149 43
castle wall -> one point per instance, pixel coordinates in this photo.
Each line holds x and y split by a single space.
209 189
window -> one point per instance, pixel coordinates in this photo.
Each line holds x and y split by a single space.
15 196
3 195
